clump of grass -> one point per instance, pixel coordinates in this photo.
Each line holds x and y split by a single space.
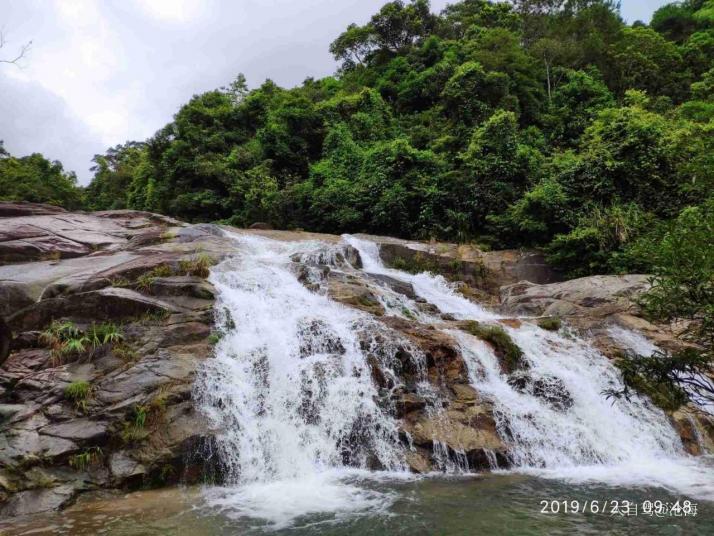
408 314
88 457
150 317
125 353
198 266
51 256
79 392
106 333
167 235
145 280
510 354
134 428
139 417
120 282
551 323
65 339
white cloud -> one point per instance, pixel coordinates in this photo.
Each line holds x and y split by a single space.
173 10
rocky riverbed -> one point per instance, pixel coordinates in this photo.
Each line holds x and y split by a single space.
106 317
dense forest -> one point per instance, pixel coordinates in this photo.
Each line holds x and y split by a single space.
546 123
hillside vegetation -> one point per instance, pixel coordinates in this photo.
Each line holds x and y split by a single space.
542 123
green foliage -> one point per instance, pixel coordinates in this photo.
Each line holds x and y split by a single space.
145 280
106 333
34 178
683 283
595 245
66 340
682 290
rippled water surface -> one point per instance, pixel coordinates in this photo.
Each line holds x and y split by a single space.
503 504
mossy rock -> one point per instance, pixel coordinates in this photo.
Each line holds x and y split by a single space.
507 351
550 323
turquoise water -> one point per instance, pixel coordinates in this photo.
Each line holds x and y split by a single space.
499 504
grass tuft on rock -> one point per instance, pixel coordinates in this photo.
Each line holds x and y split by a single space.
78 392
84 459
198 266
508 352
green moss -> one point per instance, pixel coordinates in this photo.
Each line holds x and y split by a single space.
508 351
450 268
215 337
417 264
551 323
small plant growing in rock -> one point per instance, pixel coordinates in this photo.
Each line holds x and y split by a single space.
153 316
64 339
139 418
551 323
88 457
144 281
198 266
134 428
107 333
78 392
125 352
120 282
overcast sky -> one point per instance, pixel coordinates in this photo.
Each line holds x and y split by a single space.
104 72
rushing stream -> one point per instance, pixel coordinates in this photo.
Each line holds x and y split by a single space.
291 391
306 448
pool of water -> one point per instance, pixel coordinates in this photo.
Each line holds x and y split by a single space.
503 504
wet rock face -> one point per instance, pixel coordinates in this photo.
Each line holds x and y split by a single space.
549 389
133 424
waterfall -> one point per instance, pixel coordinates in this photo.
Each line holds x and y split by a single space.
300 423
290 391
555 418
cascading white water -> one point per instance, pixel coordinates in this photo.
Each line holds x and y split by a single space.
555 417
290 391
300 420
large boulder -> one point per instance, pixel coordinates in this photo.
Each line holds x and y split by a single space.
54 236
99 305
598 295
